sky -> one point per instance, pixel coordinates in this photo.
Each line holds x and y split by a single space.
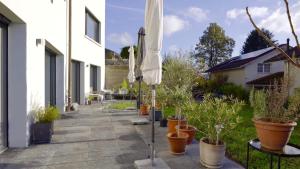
185 21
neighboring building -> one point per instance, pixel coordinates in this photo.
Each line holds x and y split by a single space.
291 72
34 62
110 54
88 48
250 69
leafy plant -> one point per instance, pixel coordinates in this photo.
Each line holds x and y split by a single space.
230 89
215 117
46 115
274 105
124 84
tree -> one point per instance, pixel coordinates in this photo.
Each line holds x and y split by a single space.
125 54
255 42
214 46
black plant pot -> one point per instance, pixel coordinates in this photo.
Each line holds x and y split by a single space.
41 133
163 122
157 115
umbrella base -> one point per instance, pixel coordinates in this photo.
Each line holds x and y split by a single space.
139 121
146 164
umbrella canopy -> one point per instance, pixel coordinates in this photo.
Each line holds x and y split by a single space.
140 52
131 65
152 63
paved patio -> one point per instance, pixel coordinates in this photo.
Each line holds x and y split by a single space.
98 138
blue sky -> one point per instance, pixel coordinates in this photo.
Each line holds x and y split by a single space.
185 21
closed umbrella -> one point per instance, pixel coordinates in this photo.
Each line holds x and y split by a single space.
152 64
131 64
139 60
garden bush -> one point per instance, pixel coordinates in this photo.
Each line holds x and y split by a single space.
230 89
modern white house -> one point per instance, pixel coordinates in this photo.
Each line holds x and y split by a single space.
34 59
251 69
88 48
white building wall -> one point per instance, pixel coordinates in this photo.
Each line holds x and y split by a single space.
35 25
84 49
251 68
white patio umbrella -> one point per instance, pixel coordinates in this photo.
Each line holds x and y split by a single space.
152 63
131 64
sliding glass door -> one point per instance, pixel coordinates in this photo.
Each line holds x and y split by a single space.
76 82
3 84
50 78
93 78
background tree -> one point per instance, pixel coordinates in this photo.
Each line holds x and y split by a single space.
125 54
255 42
214 46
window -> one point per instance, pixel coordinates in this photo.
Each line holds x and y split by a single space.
92 26
264 68
260 68
267 67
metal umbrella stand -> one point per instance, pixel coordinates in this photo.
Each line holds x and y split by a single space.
152 70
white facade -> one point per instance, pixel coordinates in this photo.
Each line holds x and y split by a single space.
251 72
37 26
86 50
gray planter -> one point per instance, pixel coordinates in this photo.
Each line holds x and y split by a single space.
158 115
41 133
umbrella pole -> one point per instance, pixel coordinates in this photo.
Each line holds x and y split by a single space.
153 120
139 97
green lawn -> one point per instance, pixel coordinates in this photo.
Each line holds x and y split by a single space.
236 143
121 105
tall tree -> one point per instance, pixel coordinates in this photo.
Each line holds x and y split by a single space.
256 42
124 52
214 46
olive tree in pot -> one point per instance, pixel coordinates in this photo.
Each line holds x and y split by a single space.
213 118
275 114
178 72
162 100
177 98
42 128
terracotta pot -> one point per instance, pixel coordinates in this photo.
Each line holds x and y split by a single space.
172 123
190 130
144 109
211 156
177 143
273 136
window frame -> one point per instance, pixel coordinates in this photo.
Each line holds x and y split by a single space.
98 32
262 68
265 67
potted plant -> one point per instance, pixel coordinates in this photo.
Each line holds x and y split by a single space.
178 140
275 115
188 107
42 128
90 99
213 118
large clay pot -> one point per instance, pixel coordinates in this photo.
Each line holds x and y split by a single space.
173 122
144 109
190 130
211 156
273 136
177 142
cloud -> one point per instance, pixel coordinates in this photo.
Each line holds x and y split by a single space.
173 24
196 14
256 12
126 8
277 21
124 38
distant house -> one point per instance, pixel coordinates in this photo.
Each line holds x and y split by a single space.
290 71
251 69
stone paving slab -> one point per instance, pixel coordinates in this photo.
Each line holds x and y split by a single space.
95 137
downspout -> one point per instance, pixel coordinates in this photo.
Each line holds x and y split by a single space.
288 67
69 53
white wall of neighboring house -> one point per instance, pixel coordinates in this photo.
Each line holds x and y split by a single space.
293 73
84 49
251 68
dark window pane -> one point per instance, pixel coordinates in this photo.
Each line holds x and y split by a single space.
260 68
92 27
267 68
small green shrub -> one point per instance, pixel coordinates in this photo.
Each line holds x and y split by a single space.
46 115
124 85
230 89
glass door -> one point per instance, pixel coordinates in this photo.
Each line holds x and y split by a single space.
50 78
3 85
93 78
75 82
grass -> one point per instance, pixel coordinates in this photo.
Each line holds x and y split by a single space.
236 144
121 105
